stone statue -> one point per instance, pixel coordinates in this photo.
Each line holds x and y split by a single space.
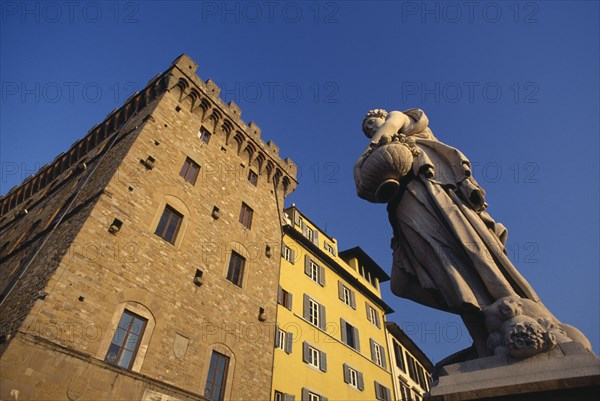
448 252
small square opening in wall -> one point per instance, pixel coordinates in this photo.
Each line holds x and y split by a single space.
198 277
177 109
115 227
148 163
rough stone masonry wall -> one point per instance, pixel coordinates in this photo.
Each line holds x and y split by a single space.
32 228
101 271
32 369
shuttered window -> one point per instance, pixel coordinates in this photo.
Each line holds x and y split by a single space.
314 312
382 393
349 335
353 377
314 357
346 295
377 353
315 271
283 340
372 315
284 298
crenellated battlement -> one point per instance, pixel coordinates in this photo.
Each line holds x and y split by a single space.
202 98
83 149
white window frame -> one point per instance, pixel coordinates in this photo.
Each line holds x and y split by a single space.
378 357
373 315
329 248
347 296
313 312
281 344
313 397
314 357
353 377
287 253
310 234
405 392
314 272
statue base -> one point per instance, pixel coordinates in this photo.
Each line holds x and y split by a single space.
567 372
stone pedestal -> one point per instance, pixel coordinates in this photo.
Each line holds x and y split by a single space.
566 373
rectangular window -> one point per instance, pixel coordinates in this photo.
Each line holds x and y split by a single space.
378 358
169 224
421 376
280 340
314 357
288 254
217 377
405 392
399 355
126 340
353 377
378 354
283 340
311 395
382 393
350 340
278 396
246 215
329 248
412 370
235 273
204 135
346 295
190 171
372 315
284 298
253 178
314 271
349 335
313 312
309 234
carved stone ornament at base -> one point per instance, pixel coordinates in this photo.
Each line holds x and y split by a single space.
448 252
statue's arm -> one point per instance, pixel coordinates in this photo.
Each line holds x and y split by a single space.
394 122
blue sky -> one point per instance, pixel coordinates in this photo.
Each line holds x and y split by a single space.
514 85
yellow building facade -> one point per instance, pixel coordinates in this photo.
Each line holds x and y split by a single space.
330 338
411 368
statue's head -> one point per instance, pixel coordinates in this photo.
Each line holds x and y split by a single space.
372 121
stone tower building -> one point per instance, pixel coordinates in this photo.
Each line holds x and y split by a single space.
143 262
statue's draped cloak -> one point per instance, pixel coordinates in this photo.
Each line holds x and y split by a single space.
443 237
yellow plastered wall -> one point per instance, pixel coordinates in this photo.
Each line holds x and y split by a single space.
291 373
